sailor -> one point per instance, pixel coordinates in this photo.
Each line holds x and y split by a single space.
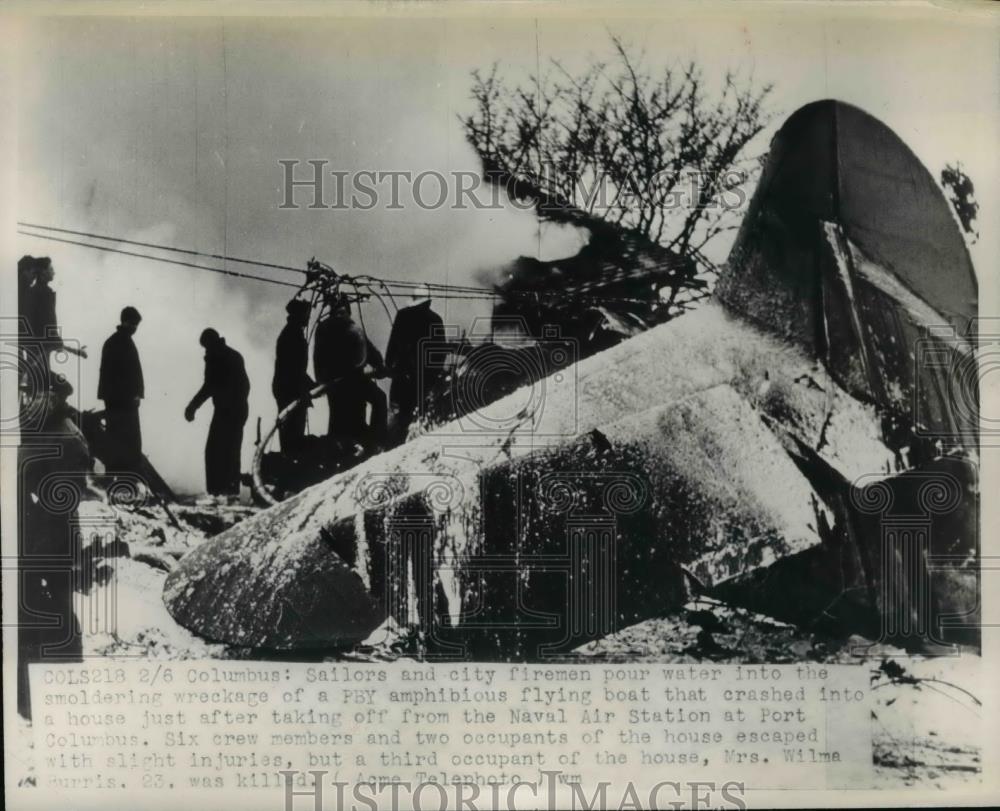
291 380
40 301
340 353
226 382
412 377
121 388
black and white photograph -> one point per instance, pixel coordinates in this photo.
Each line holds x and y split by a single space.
460 397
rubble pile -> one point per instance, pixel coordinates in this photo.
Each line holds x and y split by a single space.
921 735
747 446
718 493
127 550
731 485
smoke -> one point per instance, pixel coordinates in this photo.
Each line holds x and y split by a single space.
176 304
170 130
142 147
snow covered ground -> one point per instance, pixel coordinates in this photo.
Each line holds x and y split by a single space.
924 728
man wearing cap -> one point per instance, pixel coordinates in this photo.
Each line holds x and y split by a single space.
226 382
411 377
121 387
291 380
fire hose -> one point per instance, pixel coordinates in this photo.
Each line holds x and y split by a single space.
257 481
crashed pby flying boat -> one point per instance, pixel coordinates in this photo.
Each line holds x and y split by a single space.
797 443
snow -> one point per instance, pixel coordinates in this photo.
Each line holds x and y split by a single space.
699 351
718 445
721 398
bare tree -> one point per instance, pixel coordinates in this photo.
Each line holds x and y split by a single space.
653 152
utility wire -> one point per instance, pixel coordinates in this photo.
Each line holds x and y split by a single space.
159 259
226 258
155 246
442 290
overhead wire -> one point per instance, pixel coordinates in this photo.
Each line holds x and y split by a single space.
385 307
227 258
480 291
159 247
438 289
163 259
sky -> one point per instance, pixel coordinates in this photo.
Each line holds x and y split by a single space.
171 130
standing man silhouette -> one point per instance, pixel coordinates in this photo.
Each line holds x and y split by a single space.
412 379
121 388
226 382
340 352
291 381
40 302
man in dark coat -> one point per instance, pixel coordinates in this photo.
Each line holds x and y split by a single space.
339 357
121 388
291 381
226 382
412 379
43 325
375 397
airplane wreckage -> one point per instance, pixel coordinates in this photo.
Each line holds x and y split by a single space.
804 443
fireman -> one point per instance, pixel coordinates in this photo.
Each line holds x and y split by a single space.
226 382
121 387
339 358
291 380
412 377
